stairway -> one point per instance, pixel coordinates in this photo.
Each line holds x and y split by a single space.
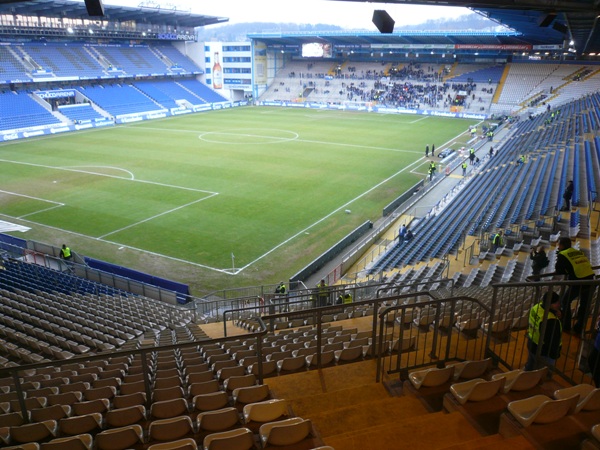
350 411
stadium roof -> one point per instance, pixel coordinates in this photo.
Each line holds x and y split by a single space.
77 10
553 21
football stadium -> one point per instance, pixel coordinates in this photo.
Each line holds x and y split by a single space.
303 240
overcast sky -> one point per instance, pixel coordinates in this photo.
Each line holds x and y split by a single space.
348 15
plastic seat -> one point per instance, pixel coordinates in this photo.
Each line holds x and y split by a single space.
431 377
218 420
168 382
200 377
206 387
132 388
291 364
227 372
520 380
119 438
123 417
79 442
476 390
34 432
589 397
13 419
54 412
326 358
251 394
159 395
232 383
93 406
74 387
238 439
285 432
29 446
169 408
68 398
195 368
269 367
125 401
348 354
30 403
170 429
471 369
541 409
107 392
265 411
402 345
103 382
181 444
72 426
211 402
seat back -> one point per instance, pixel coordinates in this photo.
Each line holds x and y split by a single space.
54 412
171 429
122 417
218 420
238 439
93 406
235 382
119 438
433 377
125 401
67 398
484 390
285 432
159 395
72 426
169 408
554 410
33 432
349 354
473 369
79 442
527 380
292 363
205 387
265 411
181 444
210 402
251 394
200 377
13 419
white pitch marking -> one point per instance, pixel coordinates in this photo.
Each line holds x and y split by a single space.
131 175
109 176
156 216
56 204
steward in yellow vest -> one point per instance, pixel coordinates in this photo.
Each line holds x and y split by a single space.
552 341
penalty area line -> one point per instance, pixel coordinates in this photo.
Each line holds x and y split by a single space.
157 216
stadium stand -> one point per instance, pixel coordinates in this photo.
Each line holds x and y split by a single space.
86 363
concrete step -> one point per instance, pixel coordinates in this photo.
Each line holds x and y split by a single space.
493 442
429 431
366 415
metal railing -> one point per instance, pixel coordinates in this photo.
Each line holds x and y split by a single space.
145 354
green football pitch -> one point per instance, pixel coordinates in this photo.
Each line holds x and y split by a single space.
255 191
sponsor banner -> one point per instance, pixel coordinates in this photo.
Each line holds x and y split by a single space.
200 108
54 130
65 93
547 47
376 109
178 112
413 46
517 47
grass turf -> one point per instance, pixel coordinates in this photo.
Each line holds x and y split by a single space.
267 185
